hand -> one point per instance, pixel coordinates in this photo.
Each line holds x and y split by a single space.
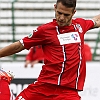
34 62
27 63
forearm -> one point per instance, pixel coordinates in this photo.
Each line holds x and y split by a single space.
11 49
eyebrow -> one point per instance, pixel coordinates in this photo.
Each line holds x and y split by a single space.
63 13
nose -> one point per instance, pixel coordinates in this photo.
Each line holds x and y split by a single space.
62 17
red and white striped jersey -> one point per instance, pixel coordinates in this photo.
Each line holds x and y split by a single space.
63 47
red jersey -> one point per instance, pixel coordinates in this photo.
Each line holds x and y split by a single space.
64 63
88 53
35 53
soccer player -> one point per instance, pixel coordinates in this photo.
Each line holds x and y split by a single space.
88 53
64 70
34 56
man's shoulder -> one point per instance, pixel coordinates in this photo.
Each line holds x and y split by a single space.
78 19
81 20
47 25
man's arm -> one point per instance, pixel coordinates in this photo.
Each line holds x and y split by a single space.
11 49
97 21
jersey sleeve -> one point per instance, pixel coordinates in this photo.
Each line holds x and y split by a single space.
89 24
84 24
36 37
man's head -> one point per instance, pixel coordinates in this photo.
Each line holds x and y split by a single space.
64 11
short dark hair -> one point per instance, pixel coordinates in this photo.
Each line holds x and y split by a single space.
68 3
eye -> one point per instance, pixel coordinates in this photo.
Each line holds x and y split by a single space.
63 14
59 12
66 14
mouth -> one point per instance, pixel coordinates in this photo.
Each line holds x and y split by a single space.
61 23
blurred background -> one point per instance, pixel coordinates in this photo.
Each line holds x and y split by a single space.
19 17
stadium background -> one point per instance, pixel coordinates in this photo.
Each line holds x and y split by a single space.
19 17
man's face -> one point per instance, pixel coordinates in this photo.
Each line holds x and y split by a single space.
63 15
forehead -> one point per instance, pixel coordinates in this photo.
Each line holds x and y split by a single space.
63 9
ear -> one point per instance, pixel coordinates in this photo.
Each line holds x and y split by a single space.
74 12
55 6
